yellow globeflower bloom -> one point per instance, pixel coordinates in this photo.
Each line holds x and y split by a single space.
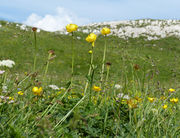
105 31
96 88
20 93
151 99
176 100
37 91
171 90
91 38
164 106
71 28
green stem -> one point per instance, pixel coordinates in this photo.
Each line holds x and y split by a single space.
104 57
5 76
107 76
46 69
91 83
35 54
106 95
72 64
89 72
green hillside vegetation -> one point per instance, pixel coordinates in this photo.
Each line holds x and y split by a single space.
159 56
143 69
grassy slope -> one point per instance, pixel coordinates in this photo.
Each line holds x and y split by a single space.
88 119
17 45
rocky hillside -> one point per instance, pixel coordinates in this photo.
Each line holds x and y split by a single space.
149 29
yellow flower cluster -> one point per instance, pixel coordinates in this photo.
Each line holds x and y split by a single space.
20 93
71 28
105 31
37 91
174 100
96 88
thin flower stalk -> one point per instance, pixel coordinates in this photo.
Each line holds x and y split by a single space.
103 62
72 64
91 38
35 52
47 66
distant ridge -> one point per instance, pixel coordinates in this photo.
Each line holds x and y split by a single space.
149 29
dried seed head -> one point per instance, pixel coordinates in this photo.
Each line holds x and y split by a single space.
34 29
136 67
108 63
51 52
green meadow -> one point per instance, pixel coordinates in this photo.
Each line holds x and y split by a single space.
139 70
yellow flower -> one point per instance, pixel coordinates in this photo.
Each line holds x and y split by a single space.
96 88
171 90
91 38
37 91
58 93
11 98
151 99
124 101
20 93
174 100
71 28
165 106
90 51
105 31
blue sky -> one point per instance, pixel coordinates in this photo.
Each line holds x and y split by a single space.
87 11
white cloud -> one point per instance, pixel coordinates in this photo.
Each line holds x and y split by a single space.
55 22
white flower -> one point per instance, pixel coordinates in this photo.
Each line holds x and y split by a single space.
23 27
38 30
12 101
4 88
7 63
78 37
121 95
2 97
117 86
126 97
1 72
54 87
0 25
